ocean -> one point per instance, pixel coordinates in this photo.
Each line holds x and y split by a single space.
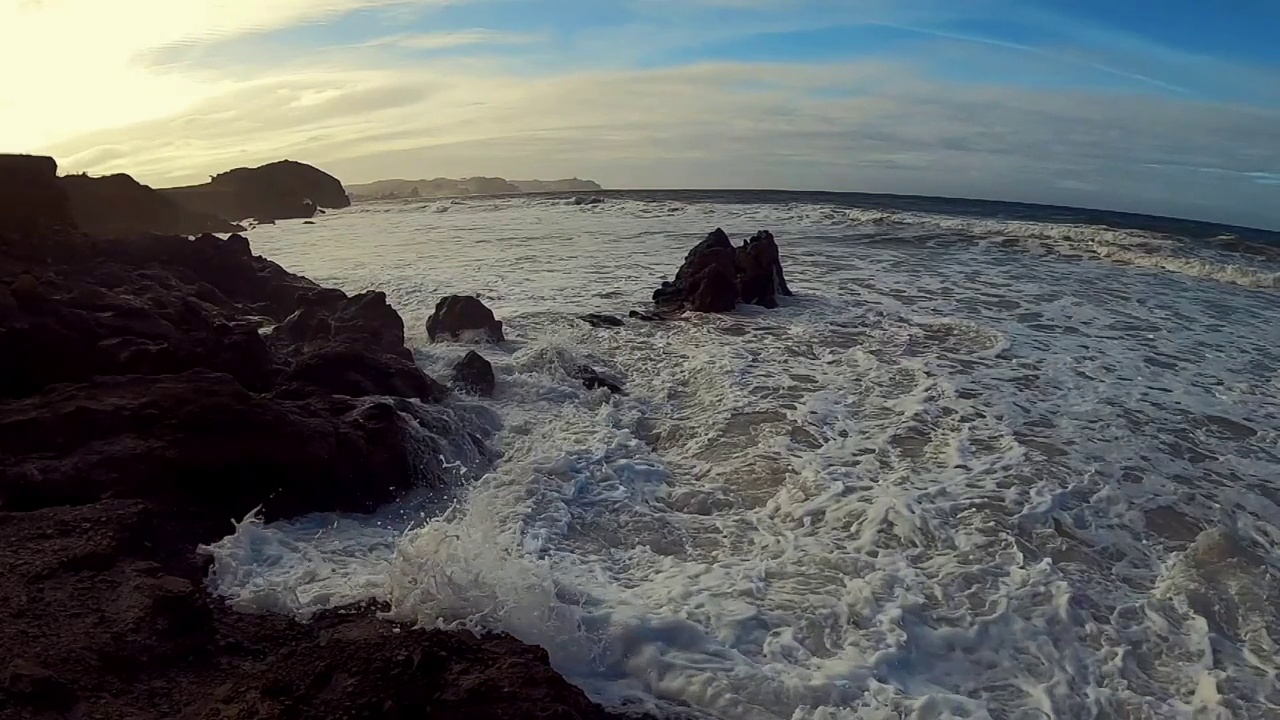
991 461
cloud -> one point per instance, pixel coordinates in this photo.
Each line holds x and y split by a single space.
856 126
77 61
454 39
473 88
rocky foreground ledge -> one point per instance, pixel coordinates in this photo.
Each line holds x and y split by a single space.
151 390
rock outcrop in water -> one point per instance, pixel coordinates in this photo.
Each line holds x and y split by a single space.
151 391
460 316
474 374
760 278
600 320
276 191
716 276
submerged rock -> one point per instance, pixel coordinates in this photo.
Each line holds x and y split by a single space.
474 374
649 317
601 321
593 380
456 315
716 276
592 200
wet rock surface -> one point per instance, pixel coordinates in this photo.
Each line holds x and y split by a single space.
593 380
473 374
152 391
715 276
601 321
463 316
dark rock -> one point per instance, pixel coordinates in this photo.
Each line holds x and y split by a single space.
199 440
152 305
102 616
30 685
351 370
707 280
141 410
276 191
593 380
601 321
760 277
458 314
474 374
579 200
119 205
715 276
646 317
326 315
33 199
308 222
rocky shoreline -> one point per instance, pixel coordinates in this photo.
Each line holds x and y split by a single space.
156 388
152 390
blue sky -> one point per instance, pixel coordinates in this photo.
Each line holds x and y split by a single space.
1165 107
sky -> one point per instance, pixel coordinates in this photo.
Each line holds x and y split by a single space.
1167 107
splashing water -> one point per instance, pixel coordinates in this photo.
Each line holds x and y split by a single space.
975 468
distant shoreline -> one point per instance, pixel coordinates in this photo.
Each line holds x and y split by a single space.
964 207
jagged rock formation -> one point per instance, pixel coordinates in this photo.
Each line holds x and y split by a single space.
716 276
276 191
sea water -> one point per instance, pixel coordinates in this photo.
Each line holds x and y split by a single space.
977 466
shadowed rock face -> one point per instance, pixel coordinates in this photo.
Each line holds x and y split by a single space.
31 198
276 191
474 374
154 389
459 315
119 205
760 278
707 281
131 364
716 276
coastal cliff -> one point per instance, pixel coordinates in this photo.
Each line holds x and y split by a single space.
120 205
446 187
276 191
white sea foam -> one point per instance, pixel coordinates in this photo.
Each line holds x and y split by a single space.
947 480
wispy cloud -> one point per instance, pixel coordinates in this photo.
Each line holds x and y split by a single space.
923 96
1054 55
852 126
454 39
